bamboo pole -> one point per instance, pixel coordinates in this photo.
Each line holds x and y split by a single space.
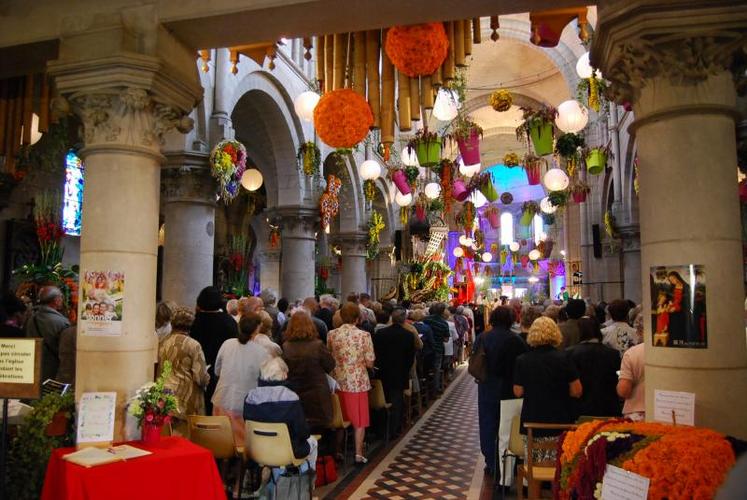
449 70
437 78
329 60
44 105
467 37
403 102
9 119
414 99
338 66
426 92
3 113
28 108
476 30
494 25
459 58
359 62
372 75
387 99
320 68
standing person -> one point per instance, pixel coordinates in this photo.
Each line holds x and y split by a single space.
631 386
211 328
440 328
501 347
597 365
232 308
12 313
426 354
311 306
528 315
619 335
164 315
189 375
449 346
394 347
328 304
569 329
282 311
309 361
353 351
68 350
237 367
547 380
48 323
463 330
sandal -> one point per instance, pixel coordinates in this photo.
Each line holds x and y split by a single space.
360 460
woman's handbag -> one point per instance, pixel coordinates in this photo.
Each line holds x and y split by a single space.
478 363
326 470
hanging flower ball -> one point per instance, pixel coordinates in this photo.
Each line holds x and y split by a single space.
342 118
227 165
511 160
501 100
507 198
417 50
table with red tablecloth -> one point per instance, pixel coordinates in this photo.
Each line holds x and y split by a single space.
177 469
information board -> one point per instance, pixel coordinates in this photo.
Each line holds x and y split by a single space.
620 484
20 368
96 417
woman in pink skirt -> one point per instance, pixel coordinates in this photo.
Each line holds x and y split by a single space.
353 352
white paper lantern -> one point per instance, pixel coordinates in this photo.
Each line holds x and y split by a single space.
556 180
465 240
403 200
458 252
305 104
432 190
534 254
252 179
533 279
409 157
487 257
514 246
446 105
546 206
370 170
584 69
572 117
478 199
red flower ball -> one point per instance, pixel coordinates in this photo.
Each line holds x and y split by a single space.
417 50
342 118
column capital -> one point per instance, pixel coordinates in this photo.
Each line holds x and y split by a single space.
684 41
631 237
186 177
352 243
296 221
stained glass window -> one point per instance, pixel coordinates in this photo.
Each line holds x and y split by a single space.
73 196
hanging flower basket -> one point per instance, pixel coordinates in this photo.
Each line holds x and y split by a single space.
309 158
541 136
227 165
533 169
400 180
493 215
418 49
342 118
538 126
596 161
427 146
469 147
459 191
528 210
487 188
578 196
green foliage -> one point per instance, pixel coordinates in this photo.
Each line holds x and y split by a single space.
534 118
437 205
558 198
309 159
567 145
30 449
152 402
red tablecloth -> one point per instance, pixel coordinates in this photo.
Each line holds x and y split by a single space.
177 469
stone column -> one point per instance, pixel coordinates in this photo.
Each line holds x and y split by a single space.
384 275
269 271
221 125
298 242
353 248
189 212
671 61
126 100
631 255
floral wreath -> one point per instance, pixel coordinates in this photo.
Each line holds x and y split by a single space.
227 164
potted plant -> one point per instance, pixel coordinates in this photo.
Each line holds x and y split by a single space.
579 191
484 182
459 190
493 214
528 210
467 135
596 159
567 145
591 93
533 168
399 177
558 198
538 126
154 405
412 174
427 146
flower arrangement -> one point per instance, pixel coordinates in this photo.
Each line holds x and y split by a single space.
528 210
501 100
329 204
427 146
47 210
418 49
467 217
464 128
342 118
446 174
228 163
375 226
537 125
610 226
681 462
309 158
412 174
153 404
369 189
427 280
568 145
237 268
579 190
511 159
591 93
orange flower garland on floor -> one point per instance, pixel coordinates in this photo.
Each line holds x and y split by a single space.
417 50
342 118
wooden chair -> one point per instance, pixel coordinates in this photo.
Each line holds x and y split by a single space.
515 449
377 402
588 418
339 424
537 472
215 434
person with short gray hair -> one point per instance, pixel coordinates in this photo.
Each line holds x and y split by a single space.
47 323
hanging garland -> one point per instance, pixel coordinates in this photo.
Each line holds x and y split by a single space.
369 189
446 176
342 118
227 164
309 158
375 226
329 205
418 49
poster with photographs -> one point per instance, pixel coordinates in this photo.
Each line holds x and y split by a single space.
101 303
678 306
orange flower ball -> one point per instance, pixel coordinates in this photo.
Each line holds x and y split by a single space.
417 50
342 118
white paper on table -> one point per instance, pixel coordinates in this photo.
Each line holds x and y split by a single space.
96 417
620 484
682 403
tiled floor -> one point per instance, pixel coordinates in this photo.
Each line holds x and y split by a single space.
439 457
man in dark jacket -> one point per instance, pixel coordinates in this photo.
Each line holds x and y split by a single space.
441 334
394 347
48 323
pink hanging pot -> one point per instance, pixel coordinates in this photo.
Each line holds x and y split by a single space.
494 218
400 180
459 190
533 173
469 148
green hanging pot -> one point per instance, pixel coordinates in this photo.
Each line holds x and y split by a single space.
596 161
487 188
526 218
541 136
429 153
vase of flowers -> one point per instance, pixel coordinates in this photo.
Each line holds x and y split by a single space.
227 164
154 406
399 177
427 147
596 160
538 127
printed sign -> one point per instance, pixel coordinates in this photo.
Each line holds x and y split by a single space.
20 368
620 484
678 306
673 406
96 417
101 304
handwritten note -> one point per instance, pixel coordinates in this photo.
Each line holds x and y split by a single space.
17 361
619 484
681 403
96 417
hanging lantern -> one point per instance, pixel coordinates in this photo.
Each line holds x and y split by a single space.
305 104
458 252
572 117
370 170
432 190
487 257
446 105
584 69
465 240
534 254
556 180
403 200
478 199
514 246
546 206
409 157
252 179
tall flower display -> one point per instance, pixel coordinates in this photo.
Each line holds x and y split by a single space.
418 49
342 118
47 215
237 265
329 204
375 226
228 163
